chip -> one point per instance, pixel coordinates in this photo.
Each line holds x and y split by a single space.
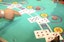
54 17
29 7
44 15
15 3
38 8
58 29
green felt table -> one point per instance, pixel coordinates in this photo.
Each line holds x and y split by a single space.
21 30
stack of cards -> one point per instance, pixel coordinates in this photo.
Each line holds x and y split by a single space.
49 36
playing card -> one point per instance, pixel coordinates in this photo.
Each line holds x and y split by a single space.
51 36
11 6
41 33
43 20
7 4
31 20
46 20
18 5
56 34
30 11
37 18
22 11
34 19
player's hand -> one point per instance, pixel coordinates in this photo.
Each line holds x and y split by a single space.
9 14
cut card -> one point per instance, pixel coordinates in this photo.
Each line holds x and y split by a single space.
41 33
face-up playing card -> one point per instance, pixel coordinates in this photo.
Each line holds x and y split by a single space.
34 19
55 34
41 33
43 20
31 20
30 11
51 36
18 5
22 11
37 18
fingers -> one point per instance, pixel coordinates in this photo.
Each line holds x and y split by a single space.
8 14
17 13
